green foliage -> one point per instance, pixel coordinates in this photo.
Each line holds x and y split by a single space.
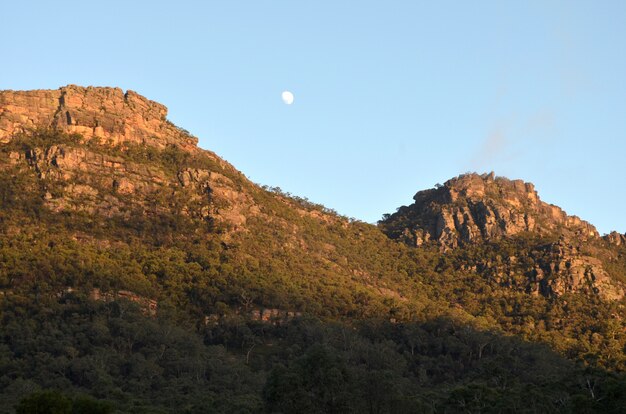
129 362
113 351
42 139
21 192
46 402
459 342
86 405
54 402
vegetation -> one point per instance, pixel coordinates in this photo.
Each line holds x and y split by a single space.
134 363
376 326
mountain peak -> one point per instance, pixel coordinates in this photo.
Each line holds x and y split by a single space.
481 185
104 113
480 207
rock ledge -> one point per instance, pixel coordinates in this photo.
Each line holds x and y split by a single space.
108 114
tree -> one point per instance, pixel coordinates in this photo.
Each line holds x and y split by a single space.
85 405
45 402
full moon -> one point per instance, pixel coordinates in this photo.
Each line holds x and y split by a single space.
287 97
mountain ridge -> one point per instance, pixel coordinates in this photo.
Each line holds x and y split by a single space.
476 209
114 117
104 113
473 207
139 268
105 163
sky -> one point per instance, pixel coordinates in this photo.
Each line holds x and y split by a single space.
391 97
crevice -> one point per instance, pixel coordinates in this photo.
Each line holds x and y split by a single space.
59 108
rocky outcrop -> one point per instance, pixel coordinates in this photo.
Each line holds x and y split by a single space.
230 205
550 269
107 114
147 305
473 208
104 184
272 316
275 316
97 172
616 238
83 179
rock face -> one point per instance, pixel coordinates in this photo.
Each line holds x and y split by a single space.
108 114
98 175
483 210
616 238
550 269
473 208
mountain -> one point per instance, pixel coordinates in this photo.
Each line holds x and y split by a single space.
142 271
473 208
484 210
107 160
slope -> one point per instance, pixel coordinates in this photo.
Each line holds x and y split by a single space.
110 213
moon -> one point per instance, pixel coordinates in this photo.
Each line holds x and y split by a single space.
287 97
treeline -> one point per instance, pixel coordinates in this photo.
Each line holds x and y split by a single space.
114 356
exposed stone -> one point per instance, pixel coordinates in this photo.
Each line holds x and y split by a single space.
107 114
148 306
616 238
561 268
112 120
473 208
273 315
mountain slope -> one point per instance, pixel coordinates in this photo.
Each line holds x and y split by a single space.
110 213
472 208
475 211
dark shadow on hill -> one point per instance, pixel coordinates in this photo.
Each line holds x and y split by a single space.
114 352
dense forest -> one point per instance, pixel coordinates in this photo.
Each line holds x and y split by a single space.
163 308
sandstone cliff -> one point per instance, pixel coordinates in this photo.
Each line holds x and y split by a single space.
483 210
108 114
105 152
546 268
473 208
616 238
112 156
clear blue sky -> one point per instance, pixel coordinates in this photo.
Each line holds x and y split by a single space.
390 96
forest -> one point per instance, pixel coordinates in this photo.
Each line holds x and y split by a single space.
357 322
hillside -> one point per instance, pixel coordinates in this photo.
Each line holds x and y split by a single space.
483 210
143 271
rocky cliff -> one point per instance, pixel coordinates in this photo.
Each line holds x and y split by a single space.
108 114
616 238
474 211
474 208
543 268
107 152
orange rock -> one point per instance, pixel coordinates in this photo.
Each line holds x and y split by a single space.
106 113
